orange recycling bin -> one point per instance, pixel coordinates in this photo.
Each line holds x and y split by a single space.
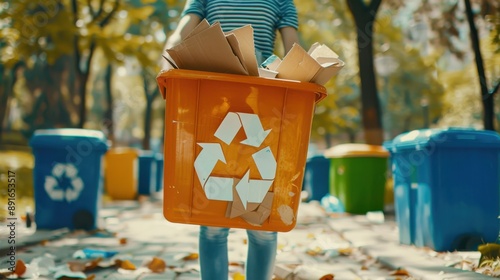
235 148
120 173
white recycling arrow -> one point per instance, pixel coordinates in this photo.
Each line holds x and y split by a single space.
219 188
253 129
252 126
51 188
266 164
206 160
228 128
248 190
252 191
51 184
243 189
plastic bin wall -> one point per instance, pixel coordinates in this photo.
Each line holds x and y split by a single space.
67 177
121 173
447 185
317 176
358 176
147 172
236 148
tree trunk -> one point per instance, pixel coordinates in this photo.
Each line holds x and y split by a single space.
108 115
486 97
4 96
150 97
364 17
147 126
8 79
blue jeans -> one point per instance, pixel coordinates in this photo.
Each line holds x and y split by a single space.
214 263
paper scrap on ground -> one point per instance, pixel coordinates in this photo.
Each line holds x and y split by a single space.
208 48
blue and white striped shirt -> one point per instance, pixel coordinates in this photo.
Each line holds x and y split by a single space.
265 16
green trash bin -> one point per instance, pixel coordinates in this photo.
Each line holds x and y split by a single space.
358 174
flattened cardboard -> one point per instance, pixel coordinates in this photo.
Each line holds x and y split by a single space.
328 60
235 46
320 50
236 208
207 50
297 65
330 68
260 215
203 25
247 47
318 65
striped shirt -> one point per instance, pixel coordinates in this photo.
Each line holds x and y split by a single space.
265 16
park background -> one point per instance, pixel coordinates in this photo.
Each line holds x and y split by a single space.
92 64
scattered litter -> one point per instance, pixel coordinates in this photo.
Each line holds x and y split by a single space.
65 272
93 253
376 217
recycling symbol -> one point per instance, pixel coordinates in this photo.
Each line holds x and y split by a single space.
248 190
56 184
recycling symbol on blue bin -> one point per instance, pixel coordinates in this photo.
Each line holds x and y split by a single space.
63 183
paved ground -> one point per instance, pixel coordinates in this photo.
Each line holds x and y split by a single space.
348 247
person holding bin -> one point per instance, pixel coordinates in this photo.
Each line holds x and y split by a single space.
266 18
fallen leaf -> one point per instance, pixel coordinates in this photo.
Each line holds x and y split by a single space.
190 257
123 241
314 252
44 242
20 268
91 277
5 273
364 267
84 266
345 251
76 266
238 276
126 264
157 265
327 277
400 272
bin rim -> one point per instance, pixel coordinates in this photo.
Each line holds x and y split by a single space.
445 137
41 137
123 150
164 75
350 150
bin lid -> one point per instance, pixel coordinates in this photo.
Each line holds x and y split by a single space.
449 137
356 150
60 137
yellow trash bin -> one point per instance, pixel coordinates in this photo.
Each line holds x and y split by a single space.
120 173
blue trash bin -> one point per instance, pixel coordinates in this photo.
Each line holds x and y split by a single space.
447 187
316 177
159 172
147 173
67 177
